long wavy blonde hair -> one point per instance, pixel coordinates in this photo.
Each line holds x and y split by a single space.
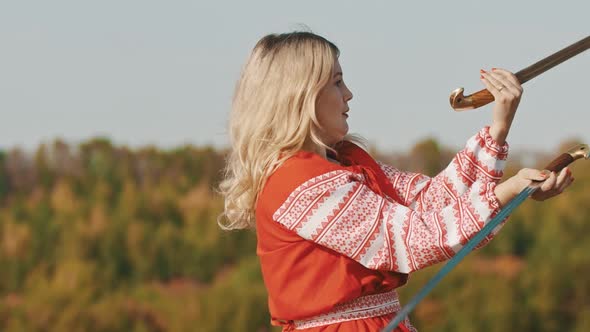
273 116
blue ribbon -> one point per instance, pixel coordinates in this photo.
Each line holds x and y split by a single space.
488 228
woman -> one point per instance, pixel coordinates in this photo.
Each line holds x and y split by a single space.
337 231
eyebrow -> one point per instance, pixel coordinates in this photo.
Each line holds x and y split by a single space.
338 73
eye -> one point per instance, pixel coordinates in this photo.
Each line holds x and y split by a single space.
339 82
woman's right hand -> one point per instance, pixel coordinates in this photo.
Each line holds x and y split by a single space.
507 91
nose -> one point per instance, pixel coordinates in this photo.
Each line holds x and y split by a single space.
347 94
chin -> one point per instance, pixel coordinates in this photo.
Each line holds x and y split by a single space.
341 138
344 134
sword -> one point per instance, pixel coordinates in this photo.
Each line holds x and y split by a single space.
484 97
573 154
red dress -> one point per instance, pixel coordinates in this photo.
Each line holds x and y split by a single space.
335 241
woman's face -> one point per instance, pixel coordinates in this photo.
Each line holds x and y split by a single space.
332 108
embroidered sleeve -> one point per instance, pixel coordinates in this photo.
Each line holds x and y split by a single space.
482 160
339 211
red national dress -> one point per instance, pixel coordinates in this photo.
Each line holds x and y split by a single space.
335 241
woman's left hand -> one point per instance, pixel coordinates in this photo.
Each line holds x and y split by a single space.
554 185
507 91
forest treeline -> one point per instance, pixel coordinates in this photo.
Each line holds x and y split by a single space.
96 237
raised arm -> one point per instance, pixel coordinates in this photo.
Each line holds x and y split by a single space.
482 159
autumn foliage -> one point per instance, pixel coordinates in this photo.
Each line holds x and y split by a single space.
96 237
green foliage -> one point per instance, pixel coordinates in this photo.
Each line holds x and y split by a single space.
103 238
3 176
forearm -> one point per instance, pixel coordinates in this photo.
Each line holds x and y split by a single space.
506 89
505 191
501 124
499 132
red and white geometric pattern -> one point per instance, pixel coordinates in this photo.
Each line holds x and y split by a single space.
436 217
359 308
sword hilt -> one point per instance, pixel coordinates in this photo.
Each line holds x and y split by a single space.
461 103
577 152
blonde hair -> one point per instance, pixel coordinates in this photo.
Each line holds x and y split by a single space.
273 116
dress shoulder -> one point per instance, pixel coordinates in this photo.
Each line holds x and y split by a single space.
294 172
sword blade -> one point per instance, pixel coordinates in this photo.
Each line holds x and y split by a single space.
485 231
459 102
553 60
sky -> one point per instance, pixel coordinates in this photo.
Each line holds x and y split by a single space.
163 72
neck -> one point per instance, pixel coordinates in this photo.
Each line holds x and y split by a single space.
320 150
310 146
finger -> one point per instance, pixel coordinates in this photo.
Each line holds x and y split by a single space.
562 176
504 78
508 87
490 87
564 179
549 183
534 174
568 181
493 80
560 180
510 78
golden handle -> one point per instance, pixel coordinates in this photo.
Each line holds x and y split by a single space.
573 154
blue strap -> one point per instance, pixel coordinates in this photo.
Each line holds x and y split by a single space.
488 228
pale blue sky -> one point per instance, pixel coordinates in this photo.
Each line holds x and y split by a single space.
163 73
